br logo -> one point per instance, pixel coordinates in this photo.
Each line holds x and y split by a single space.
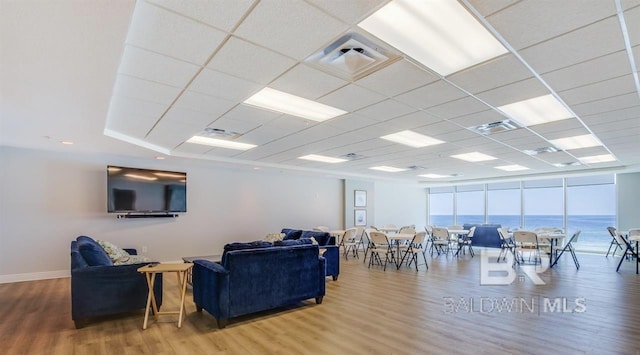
495 271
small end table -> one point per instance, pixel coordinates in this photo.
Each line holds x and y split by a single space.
150 272
215 258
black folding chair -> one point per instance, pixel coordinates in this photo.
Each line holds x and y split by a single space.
569 247
614 241
630 250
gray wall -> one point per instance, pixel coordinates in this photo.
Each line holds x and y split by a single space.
400 204
628 199
350 186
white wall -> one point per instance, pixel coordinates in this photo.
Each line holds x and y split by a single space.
47 199
400 204
628 196
350 186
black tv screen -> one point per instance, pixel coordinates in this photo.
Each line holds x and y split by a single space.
133 190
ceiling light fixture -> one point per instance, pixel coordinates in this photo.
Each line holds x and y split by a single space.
576 142
412 139
537 110
474 157
603 158
435 176
322 158
67 142
440 34
220 143
387 169
282 102
514 167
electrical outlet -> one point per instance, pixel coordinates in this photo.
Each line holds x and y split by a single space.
144 249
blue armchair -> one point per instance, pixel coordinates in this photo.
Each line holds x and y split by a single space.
100 288
327 244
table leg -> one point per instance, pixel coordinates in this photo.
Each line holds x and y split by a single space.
150 298
184 291
637 258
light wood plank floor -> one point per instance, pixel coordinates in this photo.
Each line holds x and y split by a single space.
367 311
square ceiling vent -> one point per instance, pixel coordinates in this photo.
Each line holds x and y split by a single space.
219 133
495 127
352 57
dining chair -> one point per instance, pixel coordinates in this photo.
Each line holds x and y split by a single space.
440 240
526 241
417 246
349 241
629 250
465 240
569 246
407 230
614 241
367 244
380 245
429 230
506 243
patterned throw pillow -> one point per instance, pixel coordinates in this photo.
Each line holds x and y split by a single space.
272 237
131 259
113 251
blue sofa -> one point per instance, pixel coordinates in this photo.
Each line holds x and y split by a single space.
485 235
327 244
100 288
253 280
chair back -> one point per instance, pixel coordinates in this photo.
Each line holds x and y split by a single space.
359 231
388 226
440 233
349 234
504 234
378 239
373 227
321 229
574 237
634 232
407 230
612 231
471 231
429 229
526 239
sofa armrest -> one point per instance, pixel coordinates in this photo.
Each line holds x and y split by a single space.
210 287
322 266
332 255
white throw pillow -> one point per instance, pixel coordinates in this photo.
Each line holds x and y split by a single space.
112 250
273 237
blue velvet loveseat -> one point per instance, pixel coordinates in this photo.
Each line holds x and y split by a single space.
99 288
253 280
326 243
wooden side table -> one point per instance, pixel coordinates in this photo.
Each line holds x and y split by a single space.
150 271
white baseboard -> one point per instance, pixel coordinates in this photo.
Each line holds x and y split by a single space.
34 276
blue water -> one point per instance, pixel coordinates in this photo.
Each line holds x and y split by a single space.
593 237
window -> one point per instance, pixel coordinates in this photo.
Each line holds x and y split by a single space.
441 206
543 204
503 204
470 204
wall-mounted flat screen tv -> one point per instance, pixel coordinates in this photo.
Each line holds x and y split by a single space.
133 190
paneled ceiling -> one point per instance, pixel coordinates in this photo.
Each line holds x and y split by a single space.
151 74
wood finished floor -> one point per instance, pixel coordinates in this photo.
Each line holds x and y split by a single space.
367 311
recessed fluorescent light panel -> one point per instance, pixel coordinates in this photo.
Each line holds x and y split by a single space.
322 158
597 159
514 167
435 176
440 34
388 169
412 139
535 111
220 143
474 157
279 101
576 142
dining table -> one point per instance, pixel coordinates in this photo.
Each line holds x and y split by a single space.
635 238
397 238
389 229
553 239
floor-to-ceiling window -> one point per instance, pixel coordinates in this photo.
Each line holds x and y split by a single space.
543 203
470 204
503 204
441 206
591 208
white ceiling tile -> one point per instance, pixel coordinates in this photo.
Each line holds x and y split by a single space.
165 32
134 109
195 119
385 110
519 91
556 158
289 124
351 98
352 11
223 86
503 70
516 22
170 134
307 82
210 105
630 125
250 114
487 8
600 90
135 126
431 95
479 118
598 39
610 117
144 90
397 78
229 124
460 107
155 67
293 28
222 14
560 129
586 152
608 104
350 122
248 61
412 120
602 68
461 136
190 148
632 19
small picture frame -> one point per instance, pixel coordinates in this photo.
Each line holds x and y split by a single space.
360 198
360 217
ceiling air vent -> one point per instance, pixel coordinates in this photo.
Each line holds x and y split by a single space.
352 156
219 133
571 163
352 57
416 167
541 150
495 127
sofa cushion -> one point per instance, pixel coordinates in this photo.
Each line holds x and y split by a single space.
321 237
92 252
291 233
290 242
131 259
250 245
113 250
